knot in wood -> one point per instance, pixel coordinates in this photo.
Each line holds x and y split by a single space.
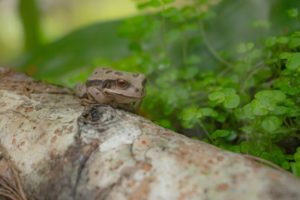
99 114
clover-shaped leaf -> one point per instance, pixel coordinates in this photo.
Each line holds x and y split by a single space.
271 123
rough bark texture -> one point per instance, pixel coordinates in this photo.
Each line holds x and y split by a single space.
65 151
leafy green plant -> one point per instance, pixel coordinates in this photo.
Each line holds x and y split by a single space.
245 99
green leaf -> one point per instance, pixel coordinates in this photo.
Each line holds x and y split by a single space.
78 50
207 112
286 165
294 42
271 41
220 133
296 34
244 47
167 1
258 108
193 59
151 3
232 101
135 46
227 96
293 13
280 110
244 113
286 84
261 24
297 155
170 12
285 55
250 148
283 40
226 134
165 123
190 116
293 62
217 96
270 95
229 91
296 168
271 123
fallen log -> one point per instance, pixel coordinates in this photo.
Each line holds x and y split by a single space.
56 149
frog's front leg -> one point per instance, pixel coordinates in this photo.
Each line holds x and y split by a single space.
82 93
80 90
97 96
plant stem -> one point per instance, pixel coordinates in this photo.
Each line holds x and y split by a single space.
213 51
30 18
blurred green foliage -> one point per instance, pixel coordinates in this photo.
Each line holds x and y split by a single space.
73 57
30 17
217 71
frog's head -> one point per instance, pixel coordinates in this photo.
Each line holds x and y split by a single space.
123 87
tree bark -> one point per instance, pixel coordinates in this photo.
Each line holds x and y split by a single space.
62 150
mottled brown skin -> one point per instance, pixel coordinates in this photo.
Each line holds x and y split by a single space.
116 88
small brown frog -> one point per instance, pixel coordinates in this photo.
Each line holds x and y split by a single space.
119 89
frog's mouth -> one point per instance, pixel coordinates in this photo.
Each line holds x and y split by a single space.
122 95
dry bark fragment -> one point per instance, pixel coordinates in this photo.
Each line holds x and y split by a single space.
10 182
64 151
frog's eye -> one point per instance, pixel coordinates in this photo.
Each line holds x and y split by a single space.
122 84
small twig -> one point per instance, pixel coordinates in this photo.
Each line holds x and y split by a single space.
266 162
213 52
258 66
10 181
205 131
7 195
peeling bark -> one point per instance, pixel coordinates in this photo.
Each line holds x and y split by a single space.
65 151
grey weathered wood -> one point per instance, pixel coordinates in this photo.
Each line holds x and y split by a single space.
64 151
